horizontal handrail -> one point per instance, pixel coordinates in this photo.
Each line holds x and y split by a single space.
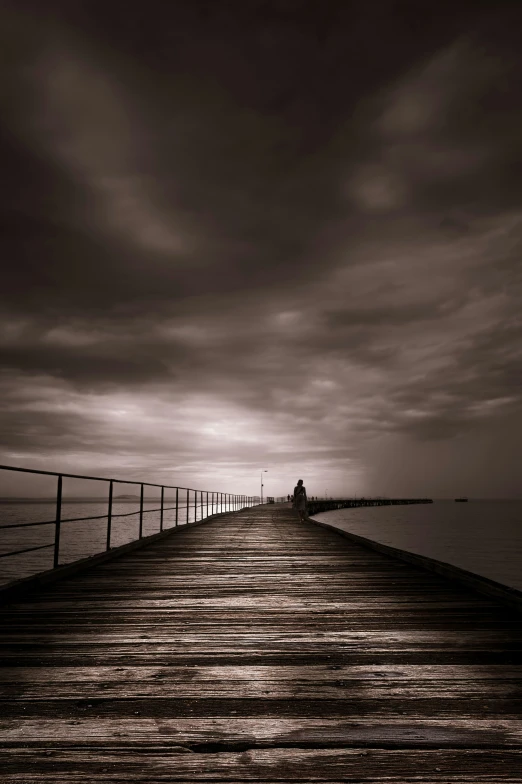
27 550
29 525
188 503
90 517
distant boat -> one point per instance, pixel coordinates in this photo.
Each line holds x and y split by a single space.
462 500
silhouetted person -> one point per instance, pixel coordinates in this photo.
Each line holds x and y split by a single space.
300 499
288 497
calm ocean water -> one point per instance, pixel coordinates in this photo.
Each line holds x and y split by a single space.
484 537
77 539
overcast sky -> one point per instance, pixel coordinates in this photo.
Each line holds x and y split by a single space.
246 235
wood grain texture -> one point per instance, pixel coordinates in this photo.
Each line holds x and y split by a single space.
257 648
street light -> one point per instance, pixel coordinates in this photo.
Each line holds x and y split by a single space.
264 471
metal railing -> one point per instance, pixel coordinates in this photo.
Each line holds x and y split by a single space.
206 502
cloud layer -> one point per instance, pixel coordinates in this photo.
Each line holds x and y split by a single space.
244 236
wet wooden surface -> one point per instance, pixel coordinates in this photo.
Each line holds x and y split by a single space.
257 648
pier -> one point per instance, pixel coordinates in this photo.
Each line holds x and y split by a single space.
319 505
253 647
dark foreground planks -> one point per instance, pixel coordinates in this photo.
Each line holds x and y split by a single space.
255 648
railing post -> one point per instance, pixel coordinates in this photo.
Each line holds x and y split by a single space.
188 499
58 522
161 513
177 494
141 512
109 516
195 506
207 501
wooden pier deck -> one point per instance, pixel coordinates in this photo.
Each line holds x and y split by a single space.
257 648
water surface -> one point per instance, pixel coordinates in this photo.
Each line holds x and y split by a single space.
484 537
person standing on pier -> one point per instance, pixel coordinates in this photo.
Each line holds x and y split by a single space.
300 499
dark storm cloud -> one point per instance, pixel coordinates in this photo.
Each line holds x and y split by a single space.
190 161
236 230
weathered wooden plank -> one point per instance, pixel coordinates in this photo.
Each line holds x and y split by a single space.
179 764
143 654
230 732
312 629
70 603
158 707
300 616
340 690
403 674
221 635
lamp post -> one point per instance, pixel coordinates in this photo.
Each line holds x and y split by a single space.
264 471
